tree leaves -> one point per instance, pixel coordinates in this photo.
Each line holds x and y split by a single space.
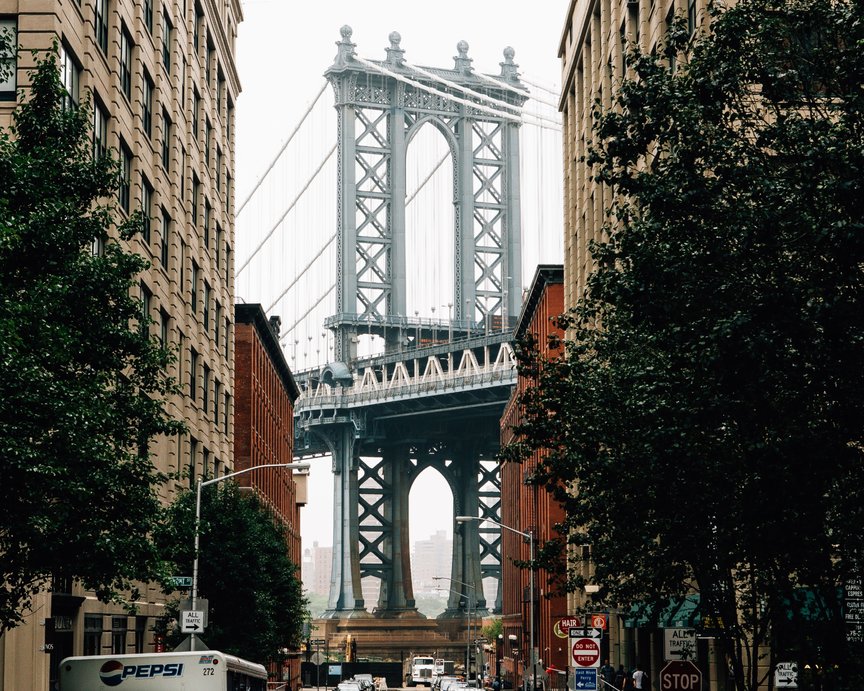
81 386
712 425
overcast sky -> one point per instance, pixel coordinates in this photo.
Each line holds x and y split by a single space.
283 49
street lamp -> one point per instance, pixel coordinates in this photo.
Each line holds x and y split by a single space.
468 614
530 536
203 483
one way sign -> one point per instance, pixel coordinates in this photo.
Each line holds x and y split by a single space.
191 621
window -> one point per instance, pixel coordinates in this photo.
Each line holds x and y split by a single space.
166 141
164 321
125 175
206 307
182 264
196 29
229 117
100 24
146 302
100 131
193 460
217 323
147 106
196 189
193 372
92 634
227 335
218 249
691 16
193 295
146 208
217 393
118 635
208 131
217 173
220 90
148 16
126 63
227 411
208 212
196 110
8 58
70 75
182 172
140 633
166 41
164 245
205 463
205 383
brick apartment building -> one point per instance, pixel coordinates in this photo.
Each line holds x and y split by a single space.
264 392
530 508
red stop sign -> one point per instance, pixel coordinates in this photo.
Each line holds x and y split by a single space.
681 675
586 652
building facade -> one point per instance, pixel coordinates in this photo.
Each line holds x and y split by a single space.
530 508
161 80
264 392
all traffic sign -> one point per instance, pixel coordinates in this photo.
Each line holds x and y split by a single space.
191 621
680 675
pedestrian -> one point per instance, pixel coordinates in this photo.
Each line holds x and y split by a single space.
607 674
639 678
620 678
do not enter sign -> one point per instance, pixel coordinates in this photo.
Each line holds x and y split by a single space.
586 652
681 675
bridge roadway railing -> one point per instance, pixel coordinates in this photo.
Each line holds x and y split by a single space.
479 364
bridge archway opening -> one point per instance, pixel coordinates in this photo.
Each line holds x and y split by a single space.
429 225
430 517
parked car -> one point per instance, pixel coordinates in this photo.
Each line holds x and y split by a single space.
444 683
366 682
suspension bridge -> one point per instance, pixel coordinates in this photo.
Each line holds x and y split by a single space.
391 232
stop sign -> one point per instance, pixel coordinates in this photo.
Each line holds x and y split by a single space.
586 652
681 675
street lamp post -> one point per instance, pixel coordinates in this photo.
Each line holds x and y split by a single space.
468 615
203 483
530 536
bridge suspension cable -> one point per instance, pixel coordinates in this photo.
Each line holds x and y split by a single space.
485 97
302 272
287 211
510 87
307 312
281 151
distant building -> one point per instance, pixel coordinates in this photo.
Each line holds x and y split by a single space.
317 561
431 559
162 81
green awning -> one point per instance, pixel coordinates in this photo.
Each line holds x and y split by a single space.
680 613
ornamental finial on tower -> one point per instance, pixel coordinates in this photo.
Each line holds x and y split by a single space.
395 54
346 48
463 62
509 69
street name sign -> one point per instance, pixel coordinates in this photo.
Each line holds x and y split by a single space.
585 679
681 675
181 581
191 621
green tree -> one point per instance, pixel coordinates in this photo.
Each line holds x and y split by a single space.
705 430
254 591
82 386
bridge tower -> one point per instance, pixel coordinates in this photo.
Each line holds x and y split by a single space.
381 105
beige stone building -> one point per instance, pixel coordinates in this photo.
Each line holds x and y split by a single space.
162 79
595 37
